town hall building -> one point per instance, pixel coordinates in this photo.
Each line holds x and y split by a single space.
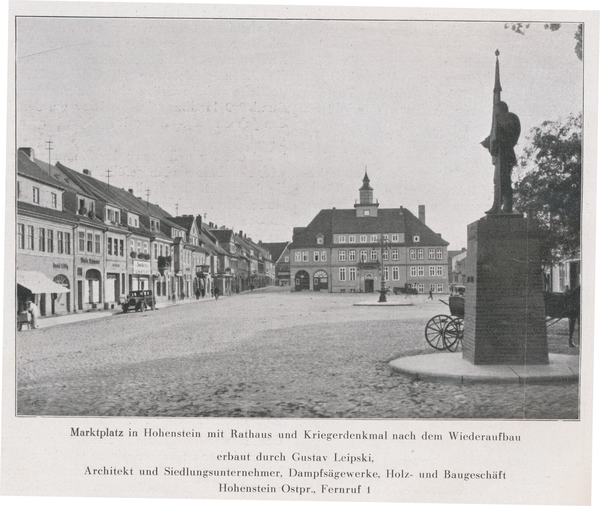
348 250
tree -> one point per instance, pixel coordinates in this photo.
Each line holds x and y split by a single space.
520 28
548 190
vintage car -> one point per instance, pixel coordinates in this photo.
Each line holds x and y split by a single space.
139 300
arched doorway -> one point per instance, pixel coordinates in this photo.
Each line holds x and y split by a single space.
93 281
320 281
369 283
302 281
61 302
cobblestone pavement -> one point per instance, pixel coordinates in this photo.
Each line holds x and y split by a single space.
270 353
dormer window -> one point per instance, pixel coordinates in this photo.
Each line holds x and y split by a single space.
320 239
367 212
416 238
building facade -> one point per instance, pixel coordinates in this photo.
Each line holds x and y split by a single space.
354 250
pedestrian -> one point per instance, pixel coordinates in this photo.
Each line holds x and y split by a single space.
251 286
217 293
430 295
35 314
212 292
197 293
203 292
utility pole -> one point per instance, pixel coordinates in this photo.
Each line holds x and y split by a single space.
108 171
49 148
176 209
147 197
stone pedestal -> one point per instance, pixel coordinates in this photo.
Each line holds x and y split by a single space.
504 306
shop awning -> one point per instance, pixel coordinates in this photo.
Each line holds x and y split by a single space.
38 283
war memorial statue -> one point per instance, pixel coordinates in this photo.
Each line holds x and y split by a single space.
504 306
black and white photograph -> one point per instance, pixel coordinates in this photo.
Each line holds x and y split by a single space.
274 218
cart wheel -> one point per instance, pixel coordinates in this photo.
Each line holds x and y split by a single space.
434 331
453 334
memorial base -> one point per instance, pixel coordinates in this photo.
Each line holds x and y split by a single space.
504 304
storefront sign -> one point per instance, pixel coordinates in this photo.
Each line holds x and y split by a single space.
141 267
115 265
60 266
89 260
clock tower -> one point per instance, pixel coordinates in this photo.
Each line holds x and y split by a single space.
366 206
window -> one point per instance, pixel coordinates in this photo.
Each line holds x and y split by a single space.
316 257
438 253
67 243
386 254
432 270
440 270
351 238
395 238
366 212
420 288
36 195
120 247
416 238
298 256
352 255
155 251
431 254
373 254
342 255
320 240
323 256
286 258
21 236
396 273
342 274
42 239
352 273
432 288
109 246
81 241
363 238
363 255
421 270
342 238
386 237
60 243
305 256
373 238
420 254
413 271
139 247
413 254
97 241
90 242
131 245
394 254
30 237
440 288
54 200
386 273
145 247
50 241
117 217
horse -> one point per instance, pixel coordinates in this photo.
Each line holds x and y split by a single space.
564 305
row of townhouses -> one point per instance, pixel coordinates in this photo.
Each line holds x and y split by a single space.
83 244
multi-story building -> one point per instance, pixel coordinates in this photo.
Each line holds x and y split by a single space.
350 250
280 255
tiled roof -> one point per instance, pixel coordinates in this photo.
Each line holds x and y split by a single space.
26 207
275 248
31 169
344 221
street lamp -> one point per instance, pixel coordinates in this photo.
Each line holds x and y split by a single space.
383 290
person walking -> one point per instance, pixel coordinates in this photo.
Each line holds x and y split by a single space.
430 295
35 314
217 292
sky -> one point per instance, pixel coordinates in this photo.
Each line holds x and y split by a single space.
259 124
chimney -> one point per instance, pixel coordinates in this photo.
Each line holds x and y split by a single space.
241 233
131 190
422 214
28 152
87 172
